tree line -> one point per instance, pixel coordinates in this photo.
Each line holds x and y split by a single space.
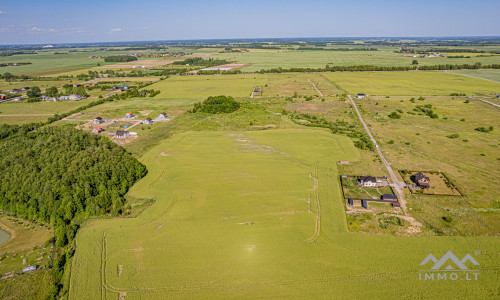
119 58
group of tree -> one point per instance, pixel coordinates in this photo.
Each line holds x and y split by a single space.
198 61
216 105
119 58
56 174
336 49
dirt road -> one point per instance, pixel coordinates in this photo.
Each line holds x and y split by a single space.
397 185
321 94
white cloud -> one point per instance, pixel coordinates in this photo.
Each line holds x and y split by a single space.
52 30
34 28
145 28
116 30
2 13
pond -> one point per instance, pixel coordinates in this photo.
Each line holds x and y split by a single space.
4 237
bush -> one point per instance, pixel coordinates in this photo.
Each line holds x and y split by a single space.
483 129
395 115
217 105
447 219
453 136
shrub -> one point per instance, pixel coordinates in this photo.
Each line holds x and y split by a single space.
447 219
390 142
395 115
453 136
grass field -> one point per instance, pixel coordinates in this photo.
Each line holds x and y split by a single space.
231 220
411 83
485 74
449 144
31 286
23 235
204 86
318 59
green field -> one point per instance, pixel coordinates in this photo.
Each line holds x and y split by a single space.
318 59
204 86
257 215
484 74
422 143
411 83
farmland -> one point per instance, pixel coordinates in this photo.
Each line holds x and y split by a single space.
220 229
318 59
410 83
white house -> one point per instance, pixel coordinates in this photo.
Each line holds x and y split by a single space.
367 181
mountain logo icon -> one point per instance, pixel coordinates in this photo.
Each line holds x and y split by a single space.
438 264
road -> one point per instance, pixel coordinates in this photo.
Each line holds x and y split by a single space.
494 104
321 94
397 185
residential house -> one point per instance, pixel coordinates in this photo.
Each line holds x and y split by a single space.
421 180
148 121
15 91
367 181
142 93
122 134
97 130
162 116
3 96
75 97
361 96
98 120
130 115
25 88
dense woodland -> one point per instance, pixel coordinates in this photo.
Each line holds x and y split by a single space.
198 61
58 174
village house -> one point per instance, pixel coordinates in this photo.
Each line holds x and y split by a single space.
148 121
367 181
421 180
122 134
98 120
389 197
15 91
75 97
3 96
130 115
142 93
97 130
162 116
25 88
361 96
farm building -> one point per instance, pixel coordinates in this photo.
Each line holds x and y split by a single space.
97 130
25 88
3 96
129 115
361 96
75 97
97 120
389 197
142 93
148 121
367 181
121 87
396 204
162 116
421 180
122 134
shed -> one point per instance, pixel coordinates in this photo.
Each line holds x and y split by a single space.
148 121
389 197
363 203
396 204
122 134
351 202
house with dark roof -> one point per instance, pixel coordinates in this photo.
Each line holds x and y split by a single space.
421 180
162 116
130 115
98 120
122 134
360 96
148 121
367 181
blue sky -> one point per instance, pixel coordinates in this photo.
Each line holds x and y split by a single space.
57 21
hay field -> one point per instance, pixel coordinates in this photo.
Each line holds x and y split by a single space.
256 215
204 86
422 143
411 83
318 59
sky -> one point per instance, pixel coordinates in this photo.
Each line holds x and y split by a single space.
57 21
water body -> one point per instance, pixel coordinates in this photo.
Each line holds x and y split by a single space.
4 237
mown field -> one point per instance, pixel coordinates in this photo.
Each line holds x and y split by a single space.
204 86
257 215
411 83
318 59
484 74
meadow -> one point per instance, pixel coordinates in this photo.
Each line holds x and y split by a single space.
493 75
411 83
257 215
449 144
204 86
318 59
